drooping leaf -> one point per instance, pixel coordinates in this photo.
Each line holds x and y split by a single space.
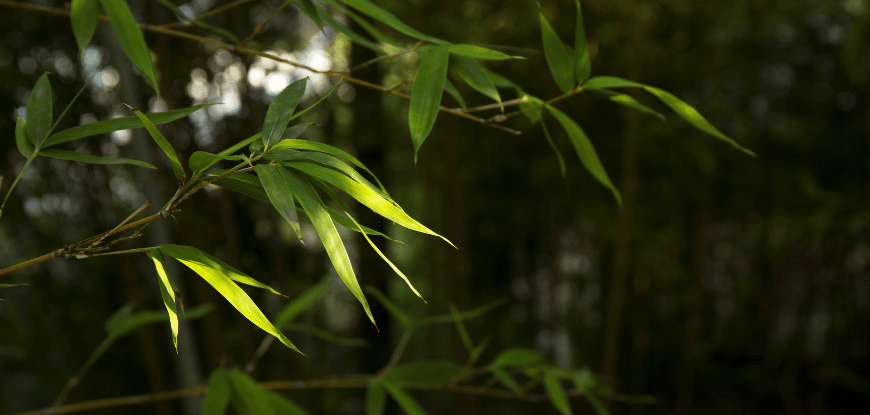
626 100
221 276
472 73
559 158
87 158
335 249
281 405
368 8
162 143
20 284
403 398
235 183
118 124
582 61
424 372
167 291
463 332
376 398
500 81
343 221
84 15
277 187
295 131
684 110
218 395
450 89
280 110
507 380
39 112
130 37
557 395
558 59
391 307
25 147
480 52
326 160
300 304
327 336
247 394
585 151
517 356
202 160
292 144
426 92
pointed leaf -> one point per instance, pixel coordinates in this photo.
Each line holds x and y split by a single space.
465 315
300 304
558 59
39 112
247 393
426 92
325 160
507 380
557 395
343 221
582 61
453 92
221 276
626 100
310 10
277 187
130 37
295 131
424 372
404 399
532 107
561 160
218 395
517 356
376 398
202 160
21 141
363 23
84 15
586 152
167 291
480 52
280 110
281 405
162 143
472 73
87 158
389 19
325 228
235 183
463 332
328 149
500 81
118 124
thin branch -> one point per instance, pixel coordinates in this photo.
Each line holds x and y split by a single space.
124 222
209 14
260 26
493 106
385 57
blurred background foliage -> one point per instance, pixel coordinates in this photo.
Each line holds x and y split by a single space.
726 284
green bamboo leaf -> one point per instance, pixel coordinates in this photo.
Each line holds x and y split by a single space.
87 158
626 100
39 112
235 183
463 332
199 23
84 15
582 61
426 92
21 141
300 304
453 92
277 186
363 23
116 318
472 73
167 291
376 398
389 19
221 277
532 108
561 160
281 405
500 81
296 131
202 160
507 380
599 407
162 143
344 222
130 37
325 160
310 10
586 152
480 52
517 356
364 195
391 307
424 372
557 395
248 398
218 395
558 58
321 15
280 110
325 228
404 399
293 144
684 110
118 124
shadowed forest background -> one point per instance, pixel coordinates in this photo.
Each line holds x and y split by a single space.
726 284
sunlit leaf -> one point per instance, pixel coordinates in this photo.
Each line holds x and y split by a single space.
218 395
130 37
368 8
480 52
376 398
118 124
341 219
202 160
403 398
277 186
167 291
280 110
582 61
517 356
424 372
39 112
558 59
221 277
426 92
557 395
472 73
87 158
25 147
450 89
292 144
84 15
559 158
162 143
585 151
326 160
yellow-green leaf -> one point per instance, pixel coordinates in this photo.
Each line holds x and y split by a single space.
277 187
426 92
167 291
162 143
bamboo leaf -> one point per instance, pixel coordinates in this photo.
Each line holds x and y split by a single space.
363 23
280 110
684 110
561 160
558 58
426 93
320 15
517 356
368 8
167 291
300 304
281 405
451 89
472 73
277 187
326 160
202 160
585 151
327 336
403 398
310 10
424 372
325 228
39 112
118 124
391 307
376 398
480 52
128 323
343 221
130 37
582 61
221 277
293 144
557 395
162 143
247 394
235 183
463 332
532 108
218 395
83 16
199 23
21 141
500 81
87 158
507 380
465 315
626 100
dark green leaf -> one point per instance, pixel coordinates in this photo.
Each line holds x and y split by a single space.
463 332
558 59
126 325
24 145
557 395
532 107
84 15
235 183
218 395
202 160
310 10
281 405
517 356
130 37
582 61
626 100
500 81
387 18
118 124
465 315
280 110
453 92
426 92
277 185
561 160
376 398
327 336
87 158
118 316
425 372
599 407
480 52
507 380
167 291
472 73
247 394
162 143
295 131
586 151
404 399
38 113
363 23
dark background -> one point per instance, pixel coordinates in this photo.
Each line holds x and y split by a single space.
726 285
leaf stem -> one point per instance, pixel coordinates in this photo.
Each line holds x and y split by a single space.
17 178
